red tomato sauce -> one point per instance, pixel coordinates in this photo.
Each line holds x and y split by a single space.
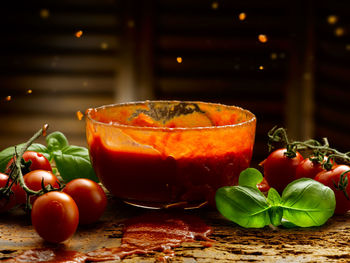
50 255
148 233
143 176
155 232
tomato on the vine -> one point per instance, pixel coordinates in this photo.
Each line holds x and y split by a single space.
33 181
309 168
279 169
263 186
38 161
89 197
338 180
55 216
6 203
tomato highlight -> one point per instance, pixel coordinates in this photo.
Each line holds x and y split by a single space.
55 216
89 197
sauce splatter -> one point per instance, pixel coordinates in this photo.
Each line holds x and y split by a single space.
49 255
154 231
157 231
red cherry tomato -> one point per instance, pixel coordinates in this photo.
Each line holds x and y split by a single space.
38 161
341 188
89 197
33 182
308 168
279 170
55 216
6 203
263 186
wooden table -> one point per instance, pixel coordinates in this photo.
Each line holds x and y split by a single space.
329 243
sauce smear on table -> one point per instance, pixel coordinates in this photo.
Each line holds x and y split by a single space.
147 233
155 232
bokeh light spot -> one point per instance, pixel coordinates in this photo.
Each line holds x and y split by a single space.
262 38
332 19
215 5
44 13
79 33
339 31
242 16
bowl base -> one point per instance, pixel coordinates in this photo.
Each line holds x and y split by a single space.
153 205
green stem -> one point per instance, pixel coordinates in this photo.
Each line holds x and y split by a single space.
19 175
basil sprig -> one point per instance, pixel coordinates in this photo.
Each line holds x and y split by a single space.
71 161
304 203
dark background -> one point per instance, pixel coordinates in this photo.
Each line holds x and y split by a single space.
131 50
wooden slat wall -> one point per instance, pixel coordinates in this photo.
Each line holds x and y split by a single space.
332 94
40 52
221 56
129 51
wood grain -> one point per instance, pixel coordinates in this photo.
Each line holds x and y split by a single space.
328 243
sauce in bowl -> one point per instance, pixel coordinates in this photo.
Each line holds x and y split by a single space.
161 153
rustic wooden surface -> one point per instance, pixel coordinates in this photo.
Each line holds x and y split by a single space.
329 243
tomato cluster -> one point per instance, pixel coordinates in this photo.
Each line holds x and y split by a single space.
280 169
55 214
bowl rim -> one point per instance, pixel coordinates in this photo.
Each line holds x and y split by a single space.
170 129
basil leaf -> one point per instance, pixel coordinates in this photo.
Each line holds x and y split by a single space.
276 212
56 141
8 153
250 177
307 203
273 197
285 223
246 206
74 162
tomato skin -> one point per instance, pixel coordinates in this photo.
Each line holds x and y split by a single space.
39 161
89 197
6 204
33 182
279 170
263 186
55 216
309 169
331 178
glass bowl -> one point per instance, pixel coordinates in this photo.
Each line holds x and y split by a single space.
160 154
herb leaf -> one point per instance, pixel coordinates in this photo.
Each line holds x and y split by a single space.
250 177
246 206
73 162
307 202
56 141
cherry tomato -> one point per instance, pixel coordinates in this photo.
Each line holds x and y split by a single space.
89 197
55 216
279 170
308 168
5 203
263 186
38 161
341 188
33 182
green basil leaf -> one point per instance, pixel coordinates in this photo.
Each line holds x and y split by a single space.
285 223
56 141
8 153
74 162
276 213
273 197
246 206
250 177
307 203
